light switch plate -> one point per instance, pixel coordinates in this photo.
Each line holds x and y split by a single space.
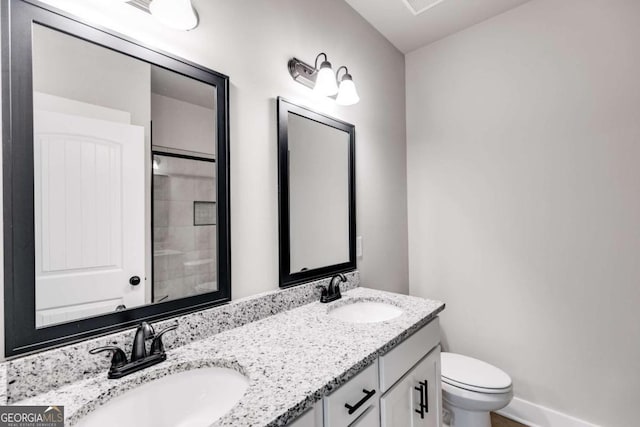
359 246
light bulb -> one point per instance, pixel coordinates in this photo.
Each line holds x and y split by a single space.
325 81
347 95
177 14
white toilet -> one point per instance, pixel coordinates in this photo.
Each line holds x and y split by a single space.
471 389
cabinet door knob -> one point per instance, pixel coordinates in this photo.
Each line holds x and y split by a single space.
134 280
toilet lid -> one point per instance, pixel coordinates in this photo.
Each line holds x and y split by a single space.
473 374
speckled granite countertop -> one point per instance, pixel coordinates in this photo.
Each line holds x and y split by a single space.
292 359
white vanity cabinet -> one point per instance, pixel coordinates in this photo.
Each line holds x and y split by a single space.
410 381
400 389
370 418
312 418
355 402
415 399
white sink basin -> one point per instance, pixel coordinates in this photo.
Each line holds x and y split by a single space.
194 398
365 312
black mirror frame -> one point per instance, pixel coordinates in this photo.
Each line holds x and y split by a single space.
21 335
287 278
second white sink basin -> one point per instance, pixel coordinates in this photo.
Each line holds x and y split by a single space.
194 398
365 312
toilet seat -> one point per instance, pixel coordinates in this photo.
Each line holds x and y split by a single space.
473 375
475 389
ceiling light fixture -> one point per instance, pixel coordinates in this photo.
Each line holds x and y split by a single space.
323 81
177 14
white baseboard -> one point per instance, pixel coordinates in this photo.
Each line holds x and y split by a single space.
534 415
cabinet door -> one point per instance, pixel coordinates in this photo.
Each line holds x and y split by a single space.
415 401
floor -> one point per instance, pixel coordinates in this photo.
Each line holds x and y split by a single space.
500 421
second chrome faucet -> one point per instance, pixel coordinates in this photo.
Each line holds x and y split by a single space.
140 357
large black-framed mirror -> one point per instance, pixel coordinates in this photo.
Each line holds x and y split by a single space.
115 181
316 183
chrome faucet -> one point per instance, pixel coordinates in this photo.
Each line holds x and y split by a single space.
332 292
140 358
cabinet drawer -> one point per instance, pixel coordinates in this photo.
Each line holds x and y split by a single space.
369 418
401 359
361 390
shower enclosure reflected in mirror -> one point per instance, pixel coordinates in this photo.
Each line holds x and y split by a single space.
317 194
184 226
118 193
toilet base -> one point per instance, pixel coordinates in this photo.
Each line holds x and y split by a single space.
463 418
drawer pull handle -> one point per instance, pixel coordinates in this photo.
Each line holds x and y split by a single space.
424 398
368 395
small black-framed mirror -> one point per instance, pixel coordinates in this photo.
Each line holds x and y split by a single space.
115 181
316 183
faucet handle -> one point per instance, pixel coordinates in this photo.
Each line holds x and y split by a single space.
156 345
324 292
118 360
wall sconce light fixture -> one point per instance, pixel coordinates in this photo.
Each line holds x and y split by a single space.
323 81
347 94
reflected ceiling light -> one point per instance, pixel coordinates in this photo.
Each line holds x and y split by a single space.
347 94
419 6
156 163
323 81
177 14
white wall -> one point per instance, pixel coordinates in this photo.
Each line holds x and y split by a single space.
71 68
524 199
251 41
179 124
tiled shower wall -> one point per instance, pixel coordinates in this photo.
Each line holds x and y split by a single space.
184 254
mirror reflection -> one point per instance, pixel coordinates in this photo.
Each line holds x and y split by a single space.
125 172
318 194
184 227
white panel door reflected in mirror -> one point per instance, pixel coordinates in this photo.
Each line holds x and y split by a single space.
89 225
318 194
98 117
